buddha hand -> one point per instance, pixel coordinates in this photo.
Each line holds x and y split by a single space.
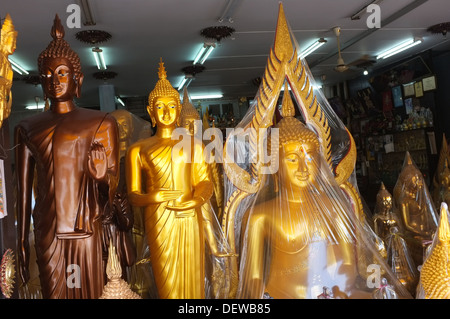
97 161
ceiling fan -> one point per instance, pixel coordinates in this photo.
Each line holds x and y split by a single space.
363 62
341 66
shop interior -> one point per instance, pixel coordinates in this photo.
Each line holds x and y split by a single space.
394 107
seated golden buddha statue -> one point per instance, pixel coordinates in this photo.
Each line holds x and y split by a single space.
416 209
384 218
172 188
299 240
7 47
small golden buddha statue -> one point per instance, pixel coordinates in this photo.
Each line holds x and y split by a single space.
7 47
298 242
434 274
401 262
416 209
172 188
116 288
384 218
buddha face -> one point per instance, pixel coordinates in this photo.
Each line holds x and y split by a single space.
58 79
189 124
387 201
297 167
125 127
165 111
9 43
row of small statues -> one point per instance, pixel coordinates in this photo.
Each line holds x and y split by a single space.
413 230
129 211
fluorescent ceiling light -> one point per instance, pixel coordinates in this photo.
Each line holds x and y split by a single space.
35 107
185 82
120 100
206 96
204 53
17 68
99 58
399 48
313 47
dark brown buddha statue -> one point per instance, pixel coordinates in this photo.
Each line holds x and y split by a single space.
74 152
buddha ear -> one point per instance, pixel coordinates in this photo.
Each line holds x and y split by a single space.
79 82
152 118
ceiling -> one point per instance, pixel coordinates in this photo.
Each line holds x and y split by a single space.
143 31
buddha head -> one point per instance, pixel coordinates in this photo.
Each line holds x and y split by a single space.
125 124
60 67
8 36
384 200
299 150
164 104
188 114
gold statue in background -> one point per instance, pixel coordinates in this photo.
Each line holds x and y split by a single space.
416 209
400 260
439 175
384 218
7 47
189 118
172 188
434 275
116 288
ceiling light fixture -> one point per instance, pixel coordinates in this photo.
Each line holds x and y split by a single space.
87 12
206 96
99 58
17 68
313 47
399 48
228 12
35 107
366 72
187 79
120 101
204 52
363 11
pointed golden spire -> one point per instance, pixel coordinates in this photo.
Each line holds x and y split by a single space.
287 106
435 272
162 70
57 31
188 111
283 46
444 227
408 159
8 25
116 288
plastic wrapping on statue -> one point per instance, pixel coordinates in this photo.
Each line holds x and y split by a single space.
440 184
401 262
288 209
384 214
434 273
415 208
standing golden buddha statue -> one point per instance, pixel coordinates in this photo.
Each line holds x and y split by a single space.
434 275
172 186
7 47
74 153
190 119
384 218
